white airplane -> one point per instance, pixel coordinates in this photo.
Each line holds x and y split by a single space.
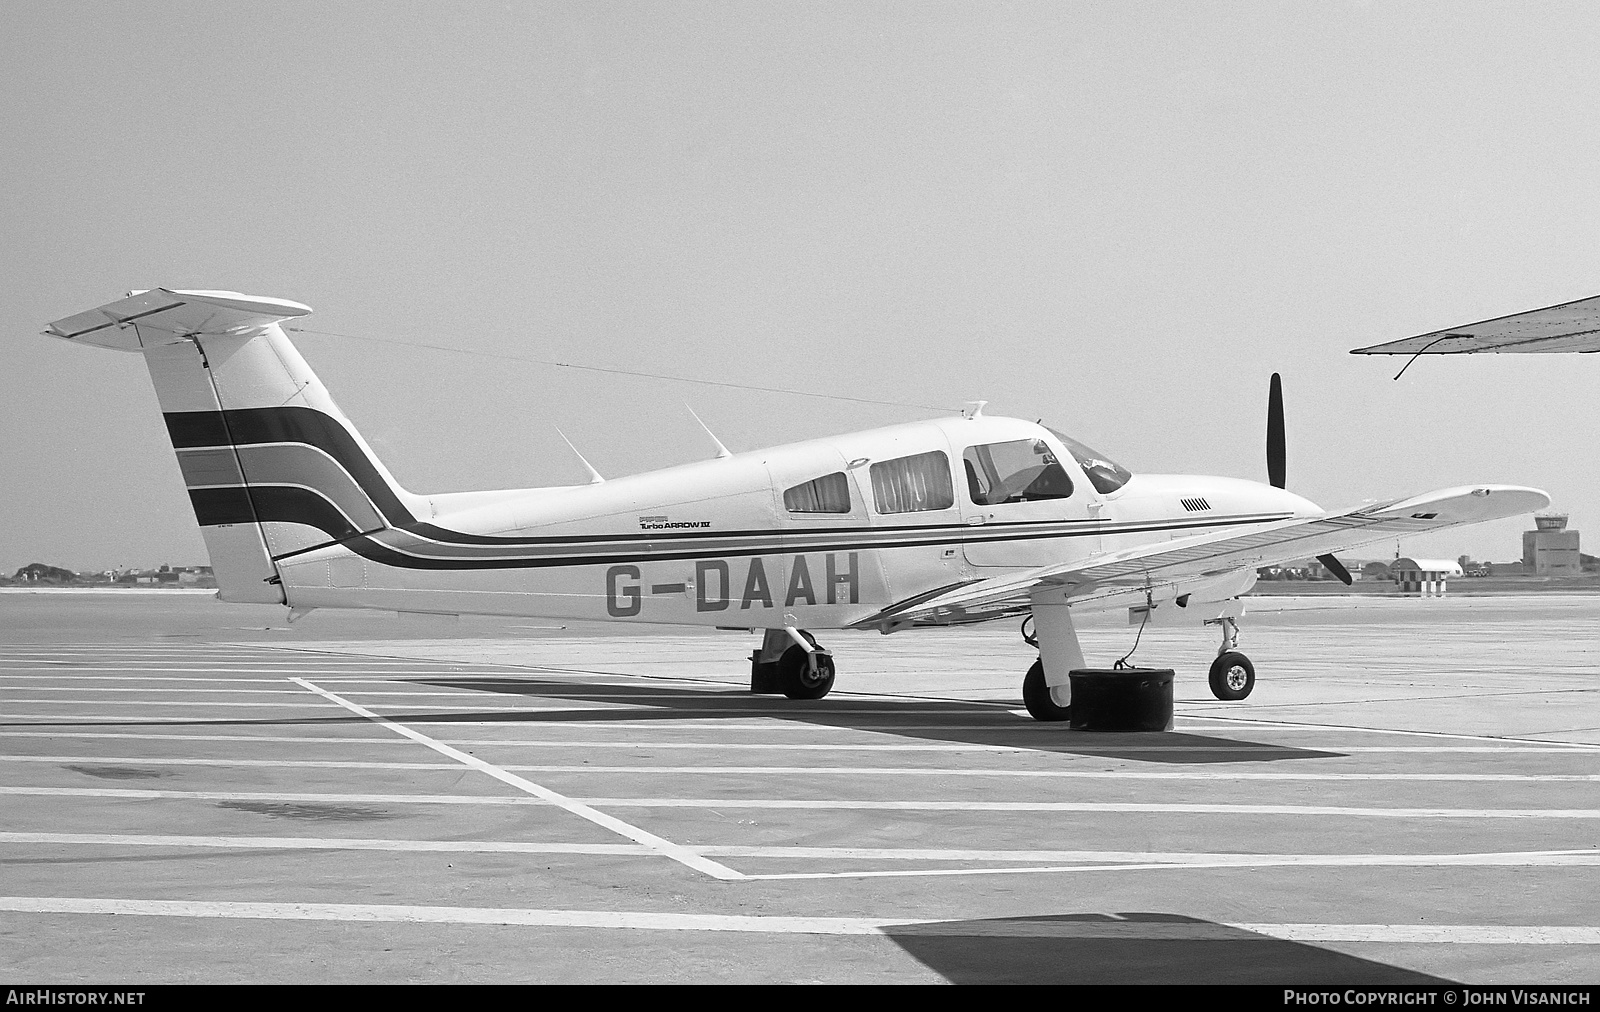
944 522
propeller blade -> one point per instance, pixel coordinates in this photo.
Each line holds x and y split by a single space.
1277 465
1336 567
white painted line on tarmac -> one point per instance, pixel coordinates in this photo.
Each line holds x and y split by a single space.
496 702
56 686
1206 774
1111 751
449 915
489 705
590 804
1559 859
138 794
404 693
145 794
810 805
113 719
1230 776
1064 860
237 739
35 671
662 846
1094 927
1445 934
1074 806
1245 723
323 843
335 764
301 703
1577 857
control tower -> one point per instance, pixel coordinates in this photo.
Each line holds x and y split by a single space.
1550 549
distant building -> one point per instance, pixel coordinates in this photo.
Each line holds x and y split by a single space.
1375 570
1550 549
1423 577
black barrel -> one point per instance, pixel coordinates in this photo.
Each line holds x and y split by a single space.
1121 699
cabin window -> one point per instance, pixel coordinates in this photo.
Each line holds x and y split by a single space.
1103 473
913 484
827 494
1022 470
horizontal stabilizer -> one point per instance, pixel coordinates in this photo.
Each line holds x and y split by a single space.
162 316
1571 326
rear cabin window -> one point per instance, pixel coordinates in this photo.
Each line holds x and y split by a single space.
913 484
1021 470
827 494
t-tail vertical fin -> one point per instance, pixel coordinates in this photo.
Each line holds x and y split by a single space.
271 463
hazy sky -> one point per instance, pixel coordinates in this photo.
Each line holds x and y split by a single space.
1119 217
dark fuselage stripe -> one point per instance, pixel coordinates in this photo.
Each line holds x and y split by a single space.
368 547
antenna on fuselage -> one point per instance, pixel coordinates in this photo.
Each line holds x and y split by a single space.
722 451
595 477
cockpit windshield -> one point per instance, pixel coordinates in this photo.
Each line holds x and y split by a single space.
1103 473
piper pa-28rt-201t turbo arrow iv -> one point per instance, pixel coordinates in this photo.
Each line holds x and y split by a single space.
945 522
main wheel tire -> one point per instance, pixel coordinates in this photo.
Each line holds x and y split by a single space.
1036 696
799 682
1232 676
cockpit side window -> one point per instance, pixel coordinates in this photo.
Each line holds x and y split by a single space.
913 484
1021 470
1103 473
827 494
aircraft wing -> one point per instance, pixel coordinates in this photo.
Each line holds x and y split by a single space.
162 316
1571 326
1171 564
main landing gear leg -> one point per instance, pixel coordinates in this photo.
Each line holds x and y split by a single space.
1047 688
790 661
1232 674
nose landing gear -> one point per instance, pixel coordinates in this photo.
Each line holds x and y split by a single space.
1232 675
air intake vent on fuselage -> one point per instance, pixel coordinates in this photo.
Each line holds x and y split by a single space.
1195 505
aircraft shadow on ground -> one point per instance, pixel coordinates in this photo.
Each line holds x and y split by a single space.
939 720
1131 948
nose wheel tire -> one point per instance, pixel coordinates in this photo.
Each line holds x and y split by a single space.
1036 696
799 681
1232 676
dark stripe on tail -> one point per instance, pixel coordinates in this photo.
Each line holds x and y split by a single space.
246 426
215 506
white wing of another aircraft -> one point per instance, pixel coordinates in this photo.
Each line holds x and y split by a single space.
1570 326
1168 569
